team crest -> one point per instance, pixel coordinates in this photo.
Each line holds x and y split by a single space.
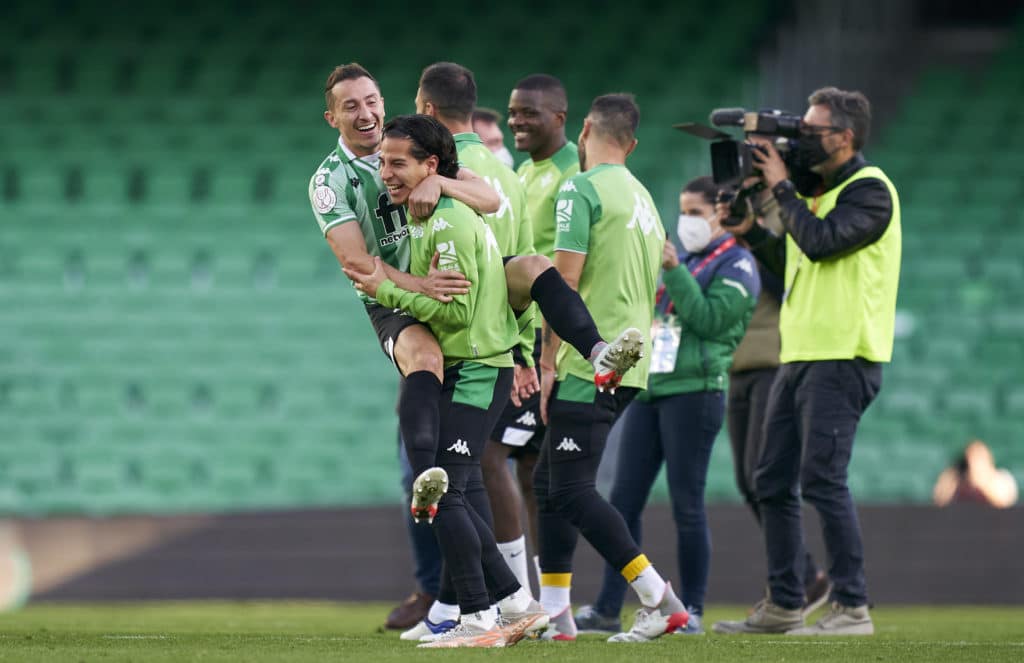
324 199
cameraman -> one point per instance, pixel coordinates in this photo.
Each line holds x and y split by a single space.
840 259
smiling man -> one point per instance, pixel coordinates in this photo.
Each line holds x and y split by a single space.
360 221
475 332
537 109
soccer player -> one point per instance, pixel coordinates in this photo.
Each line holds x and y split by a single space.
608 243
537 109
475 332
360 222
447 92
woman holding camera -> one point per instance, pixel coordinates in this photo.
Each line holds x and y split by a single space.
702 311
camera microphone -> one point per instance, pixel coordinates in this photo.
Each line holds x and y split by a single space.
728 117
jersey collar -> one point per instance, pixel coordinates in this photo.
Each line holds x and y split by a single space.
372 160
467 137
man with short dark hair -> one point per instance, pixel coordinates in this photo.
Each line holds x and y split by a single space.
608 244
475 332
840 257
447 92
359 221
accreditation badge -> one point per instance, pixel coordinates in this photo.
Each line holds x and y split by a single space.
665 333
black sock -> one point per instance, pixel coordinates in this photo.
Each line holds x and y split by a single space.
564 310
419 419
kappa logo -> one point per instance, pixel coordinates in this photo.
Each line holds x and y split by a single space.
546 180
440 224
567 187
643 216
506 205
568 444
334 158
448 260
416 231
492 242
459 447
527 419
743 264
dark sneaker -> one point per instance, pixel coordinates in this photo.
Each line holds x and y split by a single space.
589 620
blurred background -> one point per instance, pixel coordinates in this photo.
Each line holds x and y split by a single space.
187 380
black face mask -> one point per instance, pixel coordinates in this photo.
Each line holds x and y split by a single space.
810 151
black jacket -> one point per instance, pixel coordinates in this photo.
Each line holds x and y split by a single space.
861 216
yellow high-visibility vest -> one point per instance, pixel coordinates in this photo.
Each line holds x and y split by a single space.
844 307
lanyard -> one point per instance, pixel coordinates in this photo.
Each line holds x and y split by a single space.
722 248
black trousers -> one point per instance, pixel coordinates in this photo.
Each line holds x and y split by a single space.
568 503
813 412
748 403
471 400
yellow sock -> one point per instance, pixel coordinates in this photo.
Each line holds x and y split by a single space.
639 564
555 590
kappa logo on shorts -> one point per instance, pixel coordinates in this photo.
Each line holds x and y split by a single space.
568 444
527 419
459 447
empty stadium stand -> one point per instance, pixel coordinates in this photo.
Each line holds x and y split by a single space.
175 336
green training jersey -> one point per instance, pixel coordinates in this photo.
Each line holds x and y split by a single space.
542 179
509 225
608 215
478 326
345 189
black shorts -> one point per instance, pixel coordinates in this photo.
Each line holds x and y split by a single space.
471 399
520 428
578 428
388 323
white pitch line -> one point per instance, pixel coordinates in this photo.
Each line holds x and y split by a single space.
813 642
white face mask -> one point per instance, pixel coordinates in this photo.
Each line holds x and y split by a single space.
694 232
504 156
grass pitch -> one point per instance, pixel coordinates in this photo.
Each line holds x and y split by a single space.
280 631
